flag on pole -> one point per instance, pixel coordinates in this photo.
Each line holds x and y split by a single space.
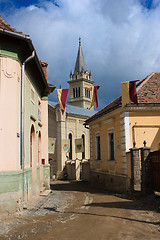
128 92
62 97
94 99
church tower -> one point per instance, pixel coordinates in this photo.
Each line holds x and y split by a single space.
79 96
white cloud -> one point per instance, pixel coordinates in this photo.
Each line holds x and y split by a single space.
120 39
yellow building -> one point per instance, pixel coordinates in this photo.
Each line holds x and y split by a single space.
115 129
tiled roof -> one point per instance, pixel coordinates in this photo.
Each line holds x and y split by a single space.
4 25
148 92
74 110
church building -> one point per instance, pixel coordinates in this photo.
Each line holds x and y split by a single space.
70 125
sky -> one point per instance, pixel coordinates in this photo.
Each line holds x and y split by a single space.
120 38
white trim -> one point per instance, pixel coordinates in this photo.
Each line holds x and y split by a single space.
126 128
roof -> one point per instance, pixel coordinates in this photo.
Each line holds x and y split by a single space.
73 110
80 62
4 25
148 93
109 108
148 90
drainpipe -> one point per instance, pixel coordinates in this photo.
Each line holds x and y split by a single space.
23 118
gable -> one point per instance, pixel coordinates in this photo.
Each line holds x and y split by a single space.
148 90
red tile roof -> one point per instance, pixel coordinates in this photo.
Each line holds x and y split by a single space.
148 92
4 25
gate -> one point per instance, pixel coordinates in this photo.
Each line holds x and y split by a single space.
155 165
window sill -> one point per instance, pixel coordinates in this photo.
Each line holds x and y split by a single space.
111 161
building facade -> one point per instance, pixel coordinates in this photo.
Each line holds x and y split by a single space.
24 119
116 129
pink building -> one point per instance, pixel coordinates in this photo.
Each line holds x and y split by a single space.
24 93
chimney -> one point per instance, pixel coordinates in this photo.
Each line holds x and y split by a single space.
44 67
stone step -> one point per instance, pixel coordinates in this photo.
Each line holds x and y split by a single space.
46 193
42 189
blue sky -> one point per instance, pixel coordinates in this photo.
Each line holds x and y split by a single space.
120 38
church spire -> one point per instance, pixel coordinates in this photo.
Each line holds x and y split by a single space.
80 63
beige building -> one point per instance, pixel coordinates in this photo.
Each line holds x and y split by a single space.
115 129
70 125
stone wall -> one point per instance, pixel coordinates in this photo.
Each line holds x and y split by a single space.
111 182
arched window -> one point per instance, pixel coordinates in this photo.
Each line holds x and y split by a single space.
70 152
39 148
32 138
83 153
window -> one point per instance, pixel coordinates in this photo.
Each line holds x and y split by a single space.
32 142
83 153
87 93
79 92
111 145
70 151
39 114
98 147
39 148
76 92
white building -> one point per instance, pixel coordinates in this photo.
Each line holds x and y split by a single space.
70 125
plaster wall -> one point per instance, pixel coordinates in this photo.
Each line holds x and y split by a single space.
150 134
10 85
102 128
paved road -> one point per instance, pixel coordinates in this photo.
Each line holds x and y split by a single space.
77 211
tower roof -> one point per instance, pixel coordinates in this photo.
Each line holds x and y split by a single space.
80 63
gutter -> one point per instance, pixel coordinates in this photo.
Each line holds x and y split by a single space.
28 39
85 125
23 119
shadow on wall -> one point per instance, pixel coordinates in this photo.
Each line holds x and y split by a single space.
155 145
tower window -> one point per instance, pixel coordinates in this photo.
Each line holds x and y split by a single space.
79 92
87 93
74 94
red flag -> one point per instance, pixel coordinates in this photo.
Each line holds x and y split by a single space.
132 92
94 98
96 95
62 97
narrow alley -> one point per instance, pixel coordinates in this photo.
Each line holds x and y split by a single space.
76 210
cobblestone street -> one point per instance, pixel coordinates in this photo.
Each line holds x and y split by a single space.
75 210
